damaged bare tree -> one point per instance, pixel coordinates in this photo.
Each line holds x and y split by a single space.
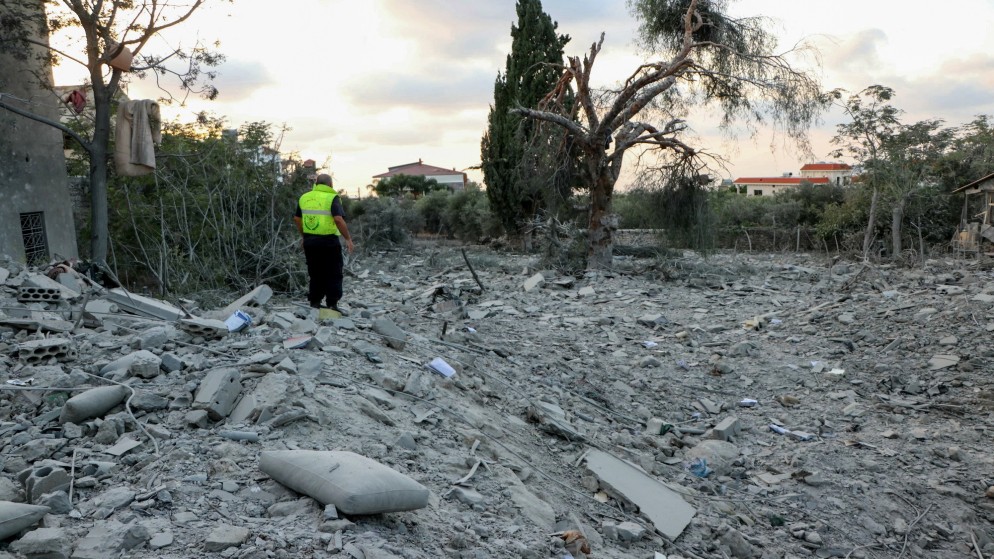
707 58
110 30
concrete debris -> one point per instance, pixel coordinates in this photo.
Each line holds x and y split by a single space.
40 351
143 306
256 298
534 281
665 508
605 384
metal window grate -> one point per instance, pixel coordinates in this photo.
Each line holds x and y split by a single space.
35 240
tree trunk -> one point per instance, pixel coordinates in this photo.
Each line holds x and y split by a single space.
602 224
98 205
870 223
897 220
99 222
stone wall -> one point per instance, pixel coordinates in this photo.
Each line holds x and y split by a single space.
32 163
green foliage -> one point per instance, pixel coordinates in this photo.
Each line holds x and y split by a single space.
516 187
381 222
432 209
735 65
402 185
216 214
468 215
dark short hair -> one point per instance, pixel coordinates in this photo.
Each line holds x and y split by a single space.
324 178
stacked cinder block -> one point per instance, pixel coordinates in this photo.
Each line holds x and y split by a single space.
36 351
35 294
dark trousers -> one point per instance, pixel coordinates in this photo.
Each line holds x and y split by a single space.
324 267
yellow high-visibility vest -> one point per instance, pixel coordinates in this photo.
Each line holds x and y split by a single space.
315 211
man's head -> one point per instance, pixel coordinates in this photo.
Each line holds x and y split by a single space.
324 178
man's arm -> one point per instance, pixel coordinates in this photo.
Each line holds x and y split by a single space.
344 230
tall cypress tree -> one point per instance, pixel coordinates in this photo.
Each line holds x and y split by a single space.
532 70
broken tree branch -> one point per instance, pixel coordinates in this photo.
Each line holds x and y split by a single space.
472 271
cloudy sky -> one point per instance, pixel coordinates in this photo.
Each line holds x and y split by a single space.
371 84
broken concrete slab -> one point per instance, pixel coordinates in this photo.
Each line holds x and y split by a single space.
273 390
143 306
665 508
942 361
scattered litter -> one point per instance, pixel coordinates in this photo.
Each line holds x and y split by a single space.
747 403
21 382
237 321
799 435
441 367
699 467
649 344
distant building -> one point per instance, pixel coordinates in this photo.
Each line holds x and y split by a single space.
452 179
837 173
813 173
768 186
36 219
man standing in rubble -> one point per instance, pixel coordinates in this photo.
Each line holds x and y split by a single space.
320 218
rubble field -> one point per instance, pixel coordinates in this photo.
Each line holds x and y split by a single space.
739 405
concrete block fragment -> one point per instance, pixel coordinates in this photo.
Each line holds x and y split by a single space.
58 501
224 536
44 282
41 480
533 282
145 364
727 429
37 351
198 418
218 392
392 334
47 543
109 538
255 298
155 337
171 363
207 327
665 508
38 295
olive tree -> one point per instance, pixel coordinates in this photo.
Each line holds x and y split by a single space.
699 57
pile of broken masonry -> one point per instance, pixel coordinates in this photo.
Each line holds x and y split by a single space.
754 406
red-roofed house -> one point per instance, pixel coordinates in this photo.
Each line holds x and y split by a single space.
768 186
838 173
454 180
